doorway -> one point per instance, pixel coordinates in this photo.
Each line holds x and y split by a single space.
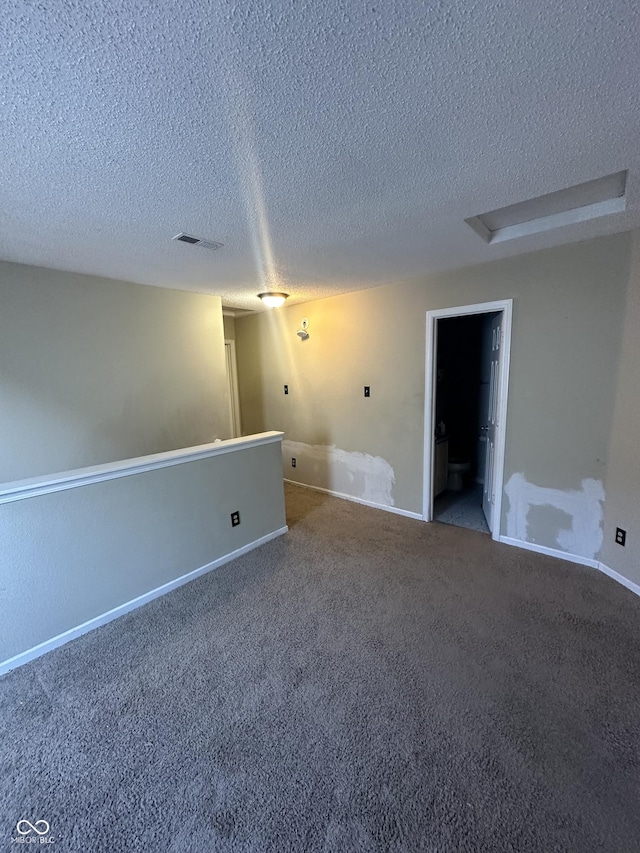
465 414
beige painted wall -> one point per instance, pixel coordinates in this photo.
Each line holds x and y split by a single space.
74 555
569 306
229 328
94 370
623 469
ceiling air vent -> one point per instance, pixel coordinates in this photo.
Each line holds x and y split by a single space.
196 241
564 207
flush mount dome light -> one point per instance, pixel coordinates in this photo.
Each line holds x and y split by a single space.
273 299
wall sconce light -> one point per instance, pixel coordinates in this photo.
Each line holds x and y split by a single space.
272 299
303 333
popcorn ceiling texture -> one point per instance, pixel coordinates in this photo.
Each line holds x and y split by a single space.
329 146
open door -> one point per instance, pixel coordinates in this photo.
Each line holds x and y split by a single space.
496 407
489 492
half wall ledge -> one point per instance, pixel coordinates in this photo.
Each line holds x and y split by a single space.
83 547
33 486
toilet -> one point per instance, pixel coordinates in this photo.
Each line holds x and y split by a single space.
456 469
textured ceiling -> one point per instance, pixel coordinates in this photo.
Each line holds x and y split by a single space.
330 146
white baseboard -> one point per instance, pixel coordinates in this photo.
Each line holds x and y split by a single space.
550 552
345 497
573 558
634 587
97 621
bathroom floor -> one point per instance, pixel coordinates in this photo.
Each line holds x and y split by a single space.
463 509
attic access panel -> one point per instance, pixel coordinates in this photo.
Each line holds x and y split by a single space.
589 200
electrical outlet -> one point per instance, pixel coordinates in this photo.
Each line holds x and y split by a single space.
235 518
293 461
286 389
367 390
621 536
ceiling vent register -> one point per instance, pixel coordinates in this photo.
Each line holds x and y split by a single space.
196 241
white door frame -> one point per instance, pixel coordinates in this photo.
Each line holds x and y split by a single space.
506 307
234 395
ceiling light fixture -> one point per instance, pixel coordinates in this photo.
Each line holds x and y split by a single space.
273 299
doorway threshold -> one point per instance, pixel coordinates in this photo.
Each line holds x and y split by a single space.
462 509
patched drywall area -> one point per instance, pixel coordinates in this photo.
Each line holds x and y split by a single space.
359 475
572 518
568 313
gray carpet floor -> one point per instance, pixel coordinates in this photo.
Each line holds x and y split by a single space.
365 683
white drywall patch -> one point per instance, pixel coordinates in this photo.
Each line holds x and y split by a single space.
584 507
360 475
